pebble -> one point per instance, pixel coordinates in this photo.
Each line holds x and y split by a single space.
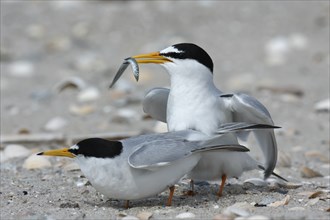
276 50
36 162
81 110
35 31
80 30
185 215
312 202
238 209
322 106
88 94
14 150
130 217
297 209
144 215
307 172
81 183
298 41
258 217
22 69
55 124
223 217
61 43
69 205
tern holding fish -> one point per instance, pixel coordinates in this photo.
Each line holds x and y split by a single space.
194 102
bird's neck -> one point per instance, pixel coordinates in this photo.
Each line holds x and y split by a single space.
195 85
188 99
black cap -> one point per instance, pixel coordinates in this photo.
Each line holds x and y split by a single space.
97 147
191 51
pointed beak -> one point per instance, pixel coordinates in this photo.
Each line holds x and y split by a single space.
154 57
64 152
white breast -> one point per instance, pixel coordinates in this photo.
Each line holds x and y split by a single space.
116 179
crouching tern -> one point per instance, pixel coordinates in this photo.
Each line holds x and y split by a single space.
194 102
145 165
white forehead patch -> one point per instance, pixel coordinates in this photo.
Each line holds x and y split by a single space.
171 49
74 147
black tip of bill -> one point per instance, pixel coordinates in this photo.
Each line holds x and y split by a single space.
41 153
123 67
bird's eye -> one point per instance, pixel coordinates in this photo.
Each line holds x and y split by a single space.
73 151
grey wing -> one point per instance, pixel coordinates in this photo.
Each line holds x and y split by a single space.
163 152
158 153
248 109
242 126
155 103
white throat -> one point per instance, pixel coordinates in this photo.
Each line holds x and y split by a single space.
192 97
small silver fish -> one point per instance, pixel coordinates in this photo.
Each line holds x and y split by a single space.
123 67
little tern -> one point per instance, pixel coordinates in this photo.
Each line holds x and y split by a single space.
194 102
145 165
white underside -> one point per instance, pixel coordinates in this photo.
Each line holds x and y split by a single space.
213 165
116 179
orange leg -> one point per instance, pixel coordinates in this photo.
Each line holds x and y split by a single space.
169 201
127 204
223 180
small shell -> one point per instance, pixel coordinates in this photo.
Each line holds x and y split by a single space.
289 185
81 110
256 181
258 217
309 173
297 209
322 106
88 94
223 217
185 215
15 150
315 194
282 202
21 69
55 124
144 215
130 217
69 83
36 162
239 209
312 202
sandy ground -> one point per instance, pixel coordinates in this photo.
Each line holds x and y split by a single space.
275 51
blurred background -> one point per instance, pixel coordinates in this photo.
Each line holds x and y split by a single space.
58 59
